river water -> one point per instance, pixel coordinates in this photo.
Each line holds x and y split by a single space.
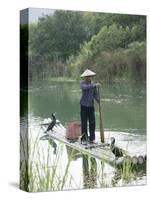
123 112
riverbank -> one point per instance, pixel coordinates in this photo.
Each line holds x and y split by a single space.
115 81
61 79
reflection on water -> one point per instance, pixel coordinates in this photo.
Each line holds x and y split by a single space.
55 166
89 172
50 141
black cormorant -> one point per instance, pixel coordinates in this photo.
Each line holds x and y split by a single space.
52 123
115 150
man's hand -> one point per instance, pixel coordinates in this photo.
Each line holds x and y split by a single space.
97 84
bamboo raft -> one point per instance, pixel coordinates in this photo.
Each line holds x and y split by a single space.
99 150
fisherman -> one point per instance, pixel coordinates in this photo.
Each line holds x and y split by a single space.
87 112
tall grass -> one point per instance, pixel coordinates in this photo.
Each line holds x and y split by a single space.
127 171
41 171
24 178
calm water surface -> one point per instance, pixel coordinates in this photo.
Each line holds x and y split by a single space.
124 105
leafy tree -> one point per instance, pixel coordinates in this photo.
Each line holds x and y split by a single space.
111 55
136 60
67 42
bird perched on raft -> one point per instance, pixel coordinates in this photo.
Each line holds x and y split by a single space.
115 150
53 123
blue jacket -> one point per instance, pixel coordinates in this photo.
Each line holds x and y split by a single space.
89 93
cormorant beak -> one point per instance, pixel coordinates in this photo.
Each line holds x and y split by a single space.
53 114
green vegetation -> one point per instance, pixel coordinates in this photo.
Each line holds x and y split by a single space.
111 56
67 42
61 79
42 172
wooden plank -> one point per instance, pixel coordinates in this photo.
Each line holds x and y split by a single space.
102 153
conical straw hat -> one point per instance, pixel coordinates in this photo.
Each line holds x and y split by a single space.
88 72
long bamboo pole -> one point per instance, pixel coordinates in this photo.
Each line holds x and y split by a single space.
100 117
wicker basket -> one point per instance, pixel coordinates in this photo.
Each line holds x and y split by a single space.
73 130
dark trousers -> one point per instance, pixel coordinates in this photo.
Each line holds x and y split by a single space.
87 115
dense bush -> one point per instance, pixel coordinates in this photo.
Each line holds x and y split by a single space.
113 54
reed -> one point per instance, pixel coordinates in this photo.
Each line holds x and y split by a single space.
40 172
41 169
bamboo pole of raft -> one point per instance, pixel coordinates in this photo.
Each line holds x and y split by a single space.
100 118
